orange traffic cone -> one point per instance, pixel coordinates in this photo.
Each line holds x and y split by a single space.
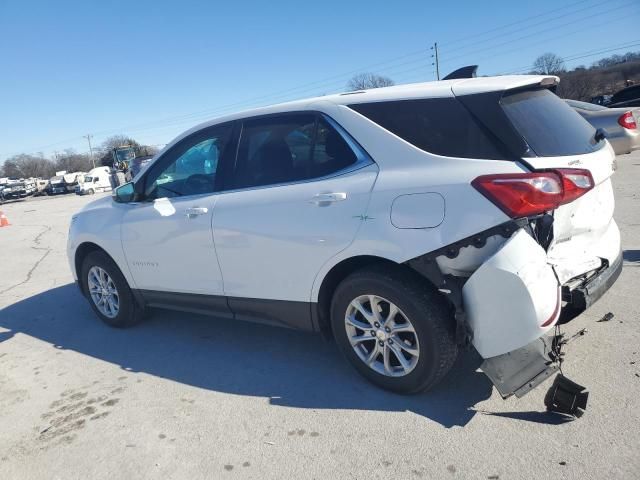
4 221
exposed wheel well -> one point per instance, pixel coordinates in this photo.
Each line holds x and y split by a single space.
338 273
82 251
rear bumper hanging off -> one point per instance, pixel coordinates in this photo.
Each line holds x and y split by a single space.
585 295
518 372
521 370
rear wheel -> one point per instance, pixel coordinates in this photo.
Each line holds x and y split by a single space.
108 292
394 329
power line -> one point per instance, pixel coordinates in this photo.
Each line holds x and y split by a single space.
322 83
591 53
316 85
391 64
477 42
524 20
511 41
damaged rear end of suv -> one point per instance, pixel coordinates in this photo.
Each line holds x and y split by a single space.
536 183
408 222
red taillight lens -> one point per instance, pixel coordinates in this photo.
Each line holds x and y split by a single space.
522 194
526 194
627 120
575 183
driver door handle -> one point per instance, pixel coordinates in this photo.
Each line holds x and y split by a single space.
193 212
327 198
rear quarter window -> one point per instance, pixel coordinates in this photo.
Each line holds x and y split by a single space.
442 126
549 126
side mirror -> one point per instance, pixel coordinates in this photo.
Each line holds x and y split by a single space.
124 193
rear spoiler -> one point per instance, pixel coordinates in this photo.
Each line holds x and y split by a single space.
502 83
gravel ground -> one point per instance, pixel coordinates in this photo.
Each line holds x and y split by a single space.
184 396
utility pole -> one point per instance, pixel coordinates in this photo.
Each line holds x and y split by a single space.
88 136
436 63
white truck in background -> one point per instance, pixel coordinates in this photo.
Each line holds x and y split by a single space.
72 180
97 180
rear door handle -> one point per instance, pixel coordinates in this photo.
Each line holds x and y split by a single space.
327 198
193 212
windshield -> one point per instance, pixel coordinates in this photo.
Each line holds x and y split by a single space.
125 154
549 126
88 179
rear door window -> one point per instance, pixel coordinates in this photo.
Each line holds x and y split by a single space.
437 125
549 126
289 148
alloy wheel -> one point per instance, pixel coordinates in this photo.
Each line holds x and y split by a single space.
382 336
103 292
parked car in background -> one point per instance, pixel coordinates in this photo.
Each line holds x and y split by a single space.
627 97
97 180
19 188
620 124
601 99
404 221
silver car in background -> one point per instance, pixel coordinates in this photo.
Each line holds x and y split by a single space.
620 124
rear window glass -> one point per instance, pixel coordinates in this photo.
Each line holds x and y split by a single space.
438 125
591 107
549 126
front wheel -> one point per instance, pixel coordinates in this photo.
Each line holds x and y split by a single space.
91 191
394 328
108 291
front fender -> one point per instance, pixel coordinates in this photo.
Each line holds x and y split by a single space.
99 223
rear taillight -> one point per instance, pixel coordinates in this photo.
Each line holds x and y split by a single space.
575 183
526 194
627 120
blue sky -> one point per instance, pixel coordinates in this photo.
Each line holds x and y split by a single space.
151 69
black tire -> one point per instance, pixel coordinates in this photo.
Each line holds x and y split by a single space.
424 307
129 312
91 191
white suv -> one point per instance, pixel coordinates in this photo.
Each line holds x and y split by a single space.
405 222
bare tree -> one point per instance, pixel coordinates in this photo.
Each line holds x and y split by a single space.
110 143
549 64
363 81
578 85
74 162
118 141
26 166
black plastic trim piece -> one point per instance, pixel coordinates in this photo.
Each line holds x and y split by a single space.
283 313
585 295
478 240
188 302
521 370
470 71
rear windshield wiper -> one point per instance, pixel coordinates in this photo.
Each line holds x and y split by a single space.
600 135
